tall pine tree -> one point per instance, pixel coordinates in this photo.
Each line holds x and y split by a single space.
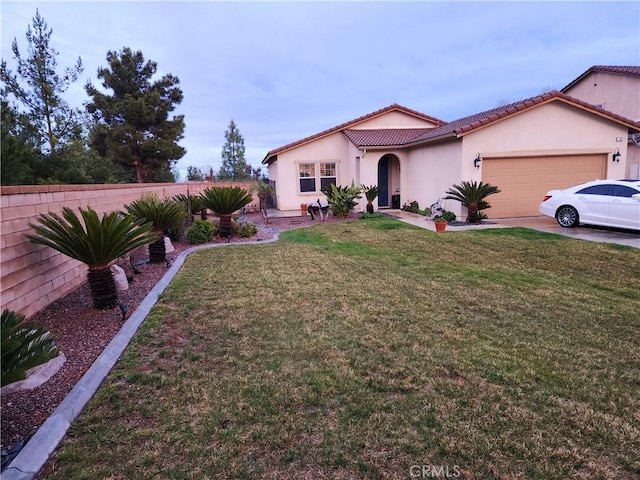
37 86
132 125
234 166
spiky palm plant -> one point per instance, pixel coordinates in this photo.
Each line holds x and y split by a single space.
371 193
23 347
472 195
163 214
224 201
97 243
193 201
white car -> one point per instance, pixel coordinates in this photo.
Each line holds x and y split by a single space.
610 203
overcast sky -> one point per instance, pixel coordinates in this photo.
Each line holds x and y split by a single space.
285 70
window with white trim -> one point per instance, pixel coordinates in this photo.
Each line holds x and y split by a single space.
327 174
313 177
307 177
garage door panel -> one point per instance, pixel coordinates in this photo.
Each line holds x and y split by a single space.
524 181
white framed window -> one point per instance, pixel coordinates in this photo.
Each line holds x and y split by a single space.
327 174
313 177
307 177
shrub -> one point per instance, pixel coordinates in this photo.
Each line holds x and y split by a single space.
202 231
412 207
23 347
243 229
342 199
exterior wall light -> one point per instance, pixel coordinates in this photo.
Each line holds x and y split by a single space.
476 162
616 156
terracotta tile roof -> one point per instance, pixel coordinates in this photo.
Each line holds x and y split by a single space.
629 70
352 123
468 124
383 137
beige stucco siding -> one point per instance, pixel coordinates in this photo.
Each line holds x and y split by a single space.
429 172
333 148
615 93
551 129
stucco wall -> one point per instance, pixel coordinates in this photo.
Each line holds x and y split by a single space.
551 129
329 149
429 172
616 93
32 276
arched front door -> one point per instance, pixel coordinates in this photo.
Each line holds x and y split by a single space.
389 181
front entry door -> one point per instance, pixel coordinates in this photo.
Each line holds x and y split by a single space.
383 181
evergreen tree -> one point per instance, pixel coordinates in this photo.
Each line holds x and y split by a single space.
132 125
194 173
38 87
19 157
234 166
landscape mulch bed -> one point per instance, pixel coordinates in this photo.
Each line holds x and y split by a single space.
82 332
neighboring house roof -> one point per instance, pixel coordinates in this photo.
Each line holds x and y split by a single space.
465 125
350 124
629 70
383 137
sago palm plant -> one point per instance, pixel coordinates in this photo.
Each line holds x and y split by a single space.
23 347
224 201
193 204
97 244
472 195
371 193
162 214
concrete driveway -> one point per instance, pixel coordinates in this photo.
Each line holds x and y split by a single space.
630 238
541 223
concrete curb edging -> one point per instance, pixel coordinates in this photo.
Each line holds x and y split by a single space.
43 443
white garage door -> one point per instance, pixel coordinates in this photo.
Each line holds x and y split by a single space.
524 181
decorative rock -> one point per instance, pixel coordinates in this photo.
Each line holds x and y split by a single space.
168 246
120 278
36 376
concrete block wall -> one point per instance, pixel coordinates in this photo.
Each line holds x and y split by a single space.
33 276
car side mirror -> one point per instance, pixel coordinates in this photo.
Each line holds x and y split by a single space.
636 196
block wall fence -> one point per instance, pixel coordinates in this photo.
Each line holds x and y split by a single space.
33 276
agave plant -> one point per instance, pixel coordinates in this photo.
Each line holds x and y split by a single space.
97 244
162 214
23 347
371 192
472 195
224 201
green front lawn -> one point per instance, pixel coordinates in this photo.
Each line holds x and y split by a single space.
376 350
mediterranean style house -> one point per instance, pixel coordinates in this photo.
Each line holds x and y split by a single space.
526 148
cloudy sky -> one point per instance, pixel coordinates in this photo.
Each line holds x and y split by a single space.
288 69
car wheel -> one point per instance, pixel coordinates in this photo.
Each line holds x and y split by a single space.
567 216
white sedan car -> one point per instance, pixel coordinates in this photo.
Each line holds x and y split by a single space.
610 203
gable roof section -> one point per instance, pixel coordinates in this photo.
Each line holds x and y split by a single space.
350 124
383 137
628 70
465 125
